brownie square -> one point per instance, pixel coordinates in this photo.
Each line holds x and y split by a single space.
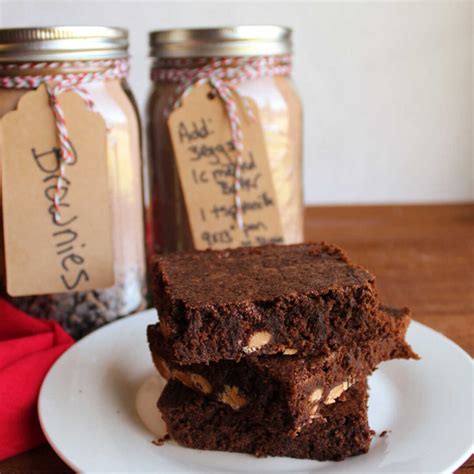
195 421
306 298
286 388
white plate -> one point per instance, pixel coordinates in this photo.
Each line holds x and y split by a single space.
88 411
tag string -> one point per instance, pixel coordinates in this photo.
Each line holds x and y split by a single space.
223 75
56 84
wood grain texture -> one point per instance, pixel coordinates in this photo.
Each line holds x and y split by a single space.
423 257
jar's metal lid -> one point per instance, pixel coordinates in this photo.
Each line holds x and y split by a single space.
250 40
63 43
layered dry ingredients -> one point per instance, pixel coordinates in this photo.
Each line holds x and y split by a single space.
92 61
252 63
287 333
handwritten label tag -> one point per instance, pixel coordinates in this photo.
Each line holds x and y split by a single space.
205 155
42 256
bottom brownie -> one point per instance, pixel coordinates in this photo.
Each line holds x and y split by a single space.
195 421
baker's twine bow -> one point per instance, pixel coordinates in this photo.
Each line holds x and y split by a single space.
223 75
56 84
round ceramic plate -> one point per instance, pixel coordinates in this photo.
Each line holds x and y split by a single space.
97 407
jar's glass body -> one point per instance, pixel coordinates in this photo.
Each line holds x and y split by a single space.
81 312
280 113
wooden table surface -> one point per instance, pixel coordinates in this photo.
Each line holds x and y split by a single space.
422 256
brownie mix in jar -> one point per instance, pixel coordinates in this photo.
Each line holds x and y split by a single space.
92 63
245 64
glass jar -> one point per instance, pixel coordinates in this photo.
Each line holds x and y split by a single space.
280 113
77 50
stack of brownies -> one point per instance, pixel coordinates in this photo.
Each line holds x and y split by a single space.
267 350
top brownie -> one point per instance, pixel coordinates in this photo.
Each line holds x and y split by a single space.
305 299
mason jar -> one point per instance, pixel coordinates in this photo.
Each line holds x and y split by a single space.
180 53
50 54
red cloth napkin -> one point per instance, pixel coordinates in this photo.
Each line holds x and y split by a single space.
28 348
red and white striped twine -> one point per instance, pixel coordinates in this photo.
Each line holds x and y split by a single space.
223 75
56 84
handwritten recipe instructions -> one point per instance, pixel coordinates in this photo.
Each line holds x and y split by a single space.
206 157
